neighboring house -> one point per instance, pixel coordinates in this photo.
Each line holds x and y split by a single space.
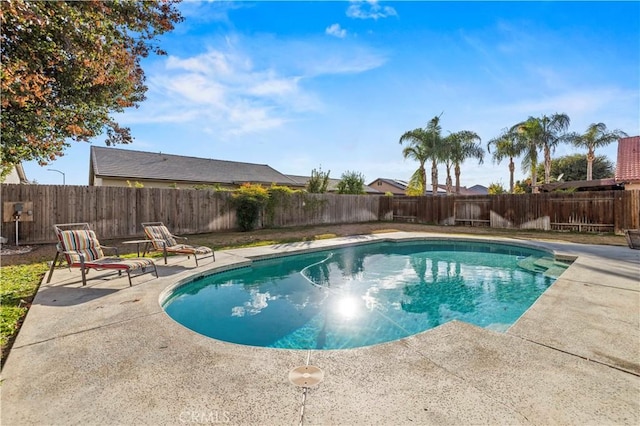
628 165
442 189
582 185
394 186
478 190
399 187
114 167
627 174
16 176
332 185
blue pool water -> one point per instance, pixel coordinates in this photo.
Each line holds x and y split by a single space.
362 295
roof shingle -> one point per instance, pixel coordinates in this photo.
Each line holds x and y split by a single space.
124 163
628 165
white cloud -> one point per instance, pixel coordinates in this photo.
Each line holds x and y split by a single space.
369 9
336 31
575 102
240 88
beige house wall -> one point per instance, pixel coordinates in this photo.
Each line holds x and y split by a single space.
147 183
16 176
632 185
383 187
162 184
12 177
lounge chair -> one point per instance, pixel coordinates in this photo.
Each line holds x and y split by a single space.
81 249
163 240
633 238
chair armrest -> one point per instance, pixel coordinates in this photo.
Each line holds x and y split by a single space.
179 237
115 249
76 253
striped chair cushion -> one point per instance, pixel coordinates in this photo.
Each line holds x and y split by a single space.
80 242
119 263
184 248
158 232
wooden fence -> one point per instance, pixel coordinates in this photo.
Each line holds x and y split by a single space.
602 211
116 212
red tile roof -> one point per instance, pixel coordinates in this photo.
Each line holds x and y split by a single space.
628 166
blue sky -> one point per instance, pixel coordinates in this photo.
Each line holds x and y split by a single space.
302 85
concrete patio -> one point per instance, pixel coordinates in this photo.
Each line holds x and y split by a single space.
107 354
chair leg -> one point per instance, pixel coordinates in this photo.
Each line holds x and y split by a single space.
53 265
84 275
196 258
129 276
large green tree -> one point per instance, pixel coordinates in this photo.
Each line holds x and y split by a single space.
508 146
67 66
430 144
596 136
574 167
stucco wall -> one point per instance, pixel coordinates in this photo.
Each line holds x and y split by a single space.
383 187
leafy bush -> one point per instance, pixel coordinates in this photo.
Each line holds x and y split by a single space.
496 188
249 200
351 183
318 182
215 187
278 196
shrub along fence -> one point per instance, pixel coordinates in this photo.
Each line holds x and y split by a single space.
116 212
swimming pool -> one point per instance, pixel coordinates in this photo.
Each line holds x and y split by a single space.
364 295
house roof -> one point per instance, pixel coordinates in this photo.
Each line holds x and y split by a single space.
139 165
479 189
628 165
331 187
442 189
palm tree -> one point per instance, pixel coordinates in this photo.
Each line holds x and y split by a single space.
460 146
553 129
507 145
429 142
540 133
527 134
596 136
416 151
434 149
448 163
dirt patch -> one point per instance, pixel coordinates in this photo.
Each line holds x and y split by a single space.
6 250
46 252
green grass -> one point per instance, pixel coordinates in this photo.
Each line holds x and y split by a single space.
262 243
18 285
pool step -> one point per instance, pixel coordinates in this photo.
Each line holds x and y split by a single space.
529 264
555 271
548 266
544 262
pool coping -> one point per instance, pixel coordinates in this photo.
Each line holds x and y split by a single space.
108 354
